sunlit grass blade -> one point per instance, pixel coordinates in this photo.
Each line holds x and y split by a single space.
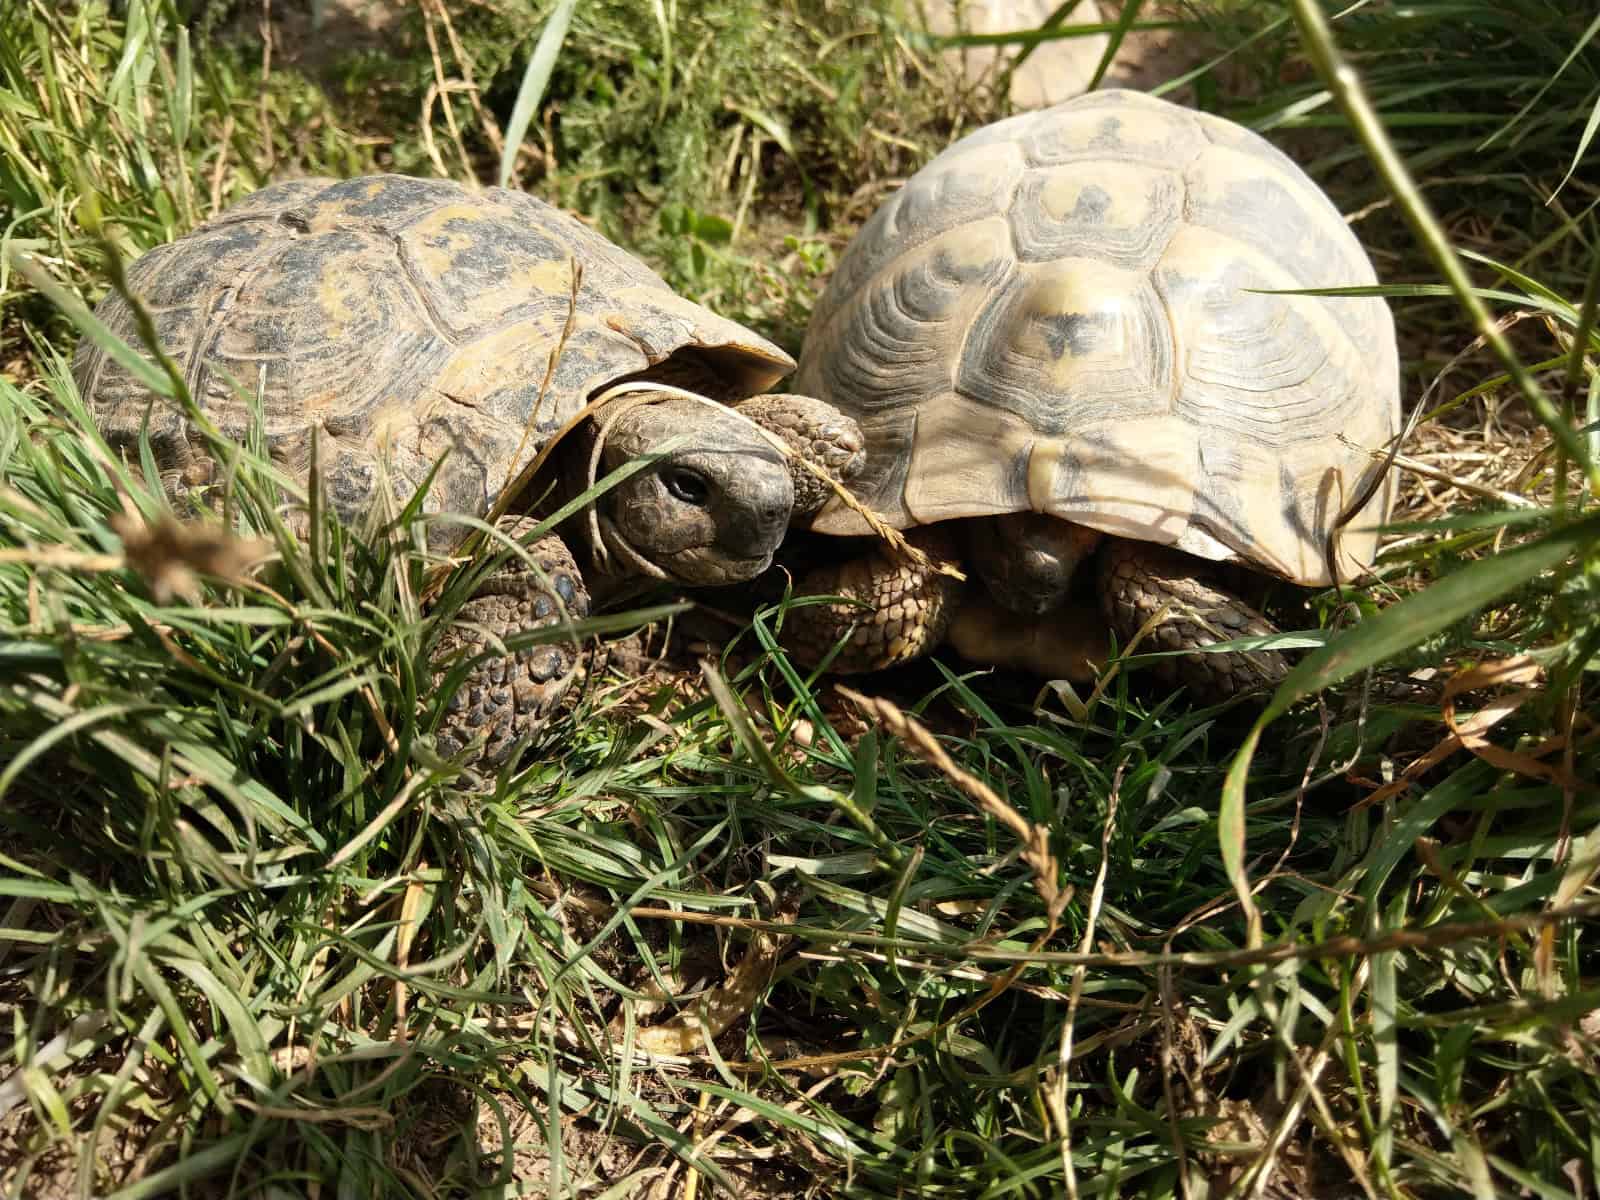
1410 621
535 79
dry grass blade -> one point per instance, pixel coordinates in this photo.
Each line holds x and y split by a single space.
1347 87
1035 839
706 1018
1472 731
1056 1098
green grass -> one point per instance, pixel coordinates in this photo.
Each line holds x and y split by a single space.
258 938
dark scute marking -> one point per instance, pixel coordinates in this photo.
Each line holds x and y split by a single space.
398 198
603 260
1217 508
1092 206
1077 332
296 279
899 335
1016 473
514 406
1007 365
1108 136
1315 246
425 292
271 202
945 194
890 436
950 272
348 484
187 287
591 359
483 249
479 453
1094 228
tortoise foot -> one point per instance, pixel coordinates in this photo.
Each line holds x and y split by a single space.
1137 578
507 697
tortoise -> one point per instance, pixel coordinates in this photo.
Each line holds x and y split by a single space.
1066 343
403 318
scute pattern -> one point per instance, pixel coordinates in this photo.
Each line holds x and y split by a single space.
1120 360
1070 342
951 194
1112 126
1122 214
900 352
401 318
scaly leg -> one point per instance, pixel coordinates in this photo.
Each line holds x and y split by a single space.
1137 578
507 697
819 434
908 607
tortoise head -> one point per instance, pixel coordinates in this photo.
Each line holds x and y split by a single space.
710 511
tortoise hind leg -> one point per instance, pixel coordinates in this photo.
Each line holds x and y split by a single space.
506 697
1137 578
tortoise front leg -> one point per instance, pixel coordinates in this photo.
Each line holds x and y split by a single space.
819 434
506 697
1137 578
907 607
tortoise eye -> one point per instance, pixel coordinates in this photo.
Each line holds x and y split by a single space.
687 486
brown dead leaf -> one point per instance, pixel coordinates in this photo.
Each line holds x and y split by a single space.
172 555
1472 731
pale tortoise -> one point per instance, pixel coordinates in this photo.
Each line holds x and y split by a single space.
1066 342
406 318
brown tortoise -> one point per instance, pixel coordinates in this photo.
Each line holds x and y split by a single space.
403 318
1065 340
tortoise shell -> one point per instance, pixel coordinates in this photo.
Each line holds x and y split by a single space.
402 318
1078 311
